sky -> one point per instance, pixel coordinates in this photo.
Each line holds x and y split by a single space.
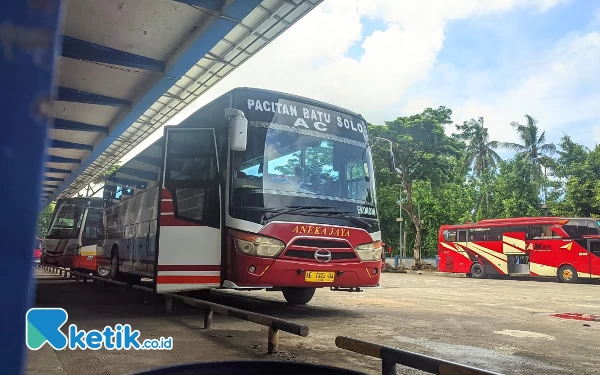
497 59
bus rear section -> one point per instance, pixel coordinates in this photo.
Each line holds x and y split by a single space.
565 248
73 235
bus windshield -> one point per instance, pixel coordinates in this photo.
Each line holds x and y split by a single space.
283 168
67 221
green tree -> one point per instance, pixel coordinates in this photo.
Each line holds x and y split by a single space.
422 152
96 184
533 148
515 190
450 202
44 219
579 171
480 155
480 162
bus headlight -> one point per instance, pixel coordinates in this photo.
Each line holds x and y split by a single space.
369 251
255 245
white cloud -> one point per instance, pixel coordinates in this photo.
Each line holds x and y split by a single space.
559 88
310 58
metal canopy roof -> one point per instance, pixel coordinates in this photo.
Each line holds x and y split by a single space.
128 66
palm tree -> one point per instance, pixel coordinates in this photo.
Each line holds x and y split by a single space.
533 146
480 158
480 155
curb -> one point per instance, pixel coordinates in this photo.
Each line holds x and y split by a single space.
436 273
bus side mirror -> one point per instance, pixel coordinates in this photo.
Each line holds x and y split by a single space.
238 129
391 161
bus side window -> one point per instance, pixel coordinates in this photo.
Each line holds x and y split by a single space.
535 231
479 235
576 228
592 229
91 231
450 235
462 236
594 247
495 233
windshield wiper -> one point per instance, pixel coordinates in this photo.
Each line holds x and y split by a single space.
333 212
293 209
347 215
254 208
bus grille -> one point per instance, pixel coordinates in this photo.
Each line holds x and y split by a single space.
305 249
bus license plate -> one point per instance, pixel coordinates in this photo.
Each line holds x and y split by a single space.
319 277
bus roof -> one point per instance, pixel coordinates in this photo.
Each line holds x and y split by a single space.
513 221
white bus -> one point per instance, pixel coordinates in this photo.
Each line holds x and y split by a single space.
256 190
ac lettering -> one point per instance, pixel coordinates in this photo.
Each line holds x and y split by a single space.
320 126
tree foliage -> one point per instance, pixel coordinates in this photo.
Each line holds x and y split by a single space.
44 219
97 184
423 152
443 179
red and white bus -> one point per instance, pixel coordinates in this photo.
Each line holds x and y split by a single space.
565 248
256 190
73 235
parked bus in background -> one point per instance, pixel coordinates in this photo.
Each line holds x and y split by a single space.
565 248
73 235
256 190
37 251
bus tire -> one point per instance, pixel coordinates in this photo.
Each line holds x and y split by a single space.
477 271
567 274
114 266
298 296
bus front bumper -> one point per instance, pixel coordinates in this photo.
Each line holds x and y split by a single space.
254 271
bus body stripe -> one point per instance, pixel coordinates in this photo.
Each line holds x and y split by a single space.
188 279
189 267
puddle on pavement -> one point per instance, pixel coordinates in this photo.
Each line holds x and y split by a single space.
493 360
524 334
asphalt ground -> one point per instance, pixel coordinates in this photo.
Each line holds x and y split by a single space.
507 326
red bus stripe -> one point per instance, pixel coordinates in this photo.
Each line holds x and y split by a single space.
189 267
171 221
188 280
166 206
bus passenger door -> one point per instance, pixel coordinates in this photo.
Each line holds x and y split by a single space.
90 238
517 258
189 245
594 257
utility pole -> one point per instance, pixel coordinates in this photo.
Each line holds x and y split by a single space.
399 220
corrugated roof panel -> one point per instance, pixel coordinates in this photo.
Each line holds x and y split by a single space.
103 79
85 113
197 47
151 28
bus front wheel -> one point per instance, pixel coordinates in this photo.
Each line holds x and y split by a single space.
567 274
477 271
114 267
298 296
